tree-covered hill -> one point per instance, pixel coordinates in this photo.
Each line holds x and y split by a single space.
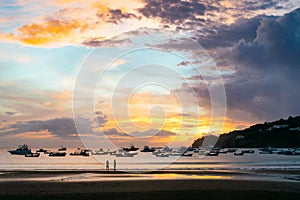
280 133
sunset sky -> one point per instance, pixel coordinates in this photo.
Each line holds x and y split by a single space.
144 71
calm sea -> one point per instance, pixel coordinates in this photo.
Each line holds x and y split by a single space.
146 161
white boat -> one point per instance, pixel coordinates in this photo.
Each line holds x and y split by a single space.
123 153
188 153
203 152
163 154
100 152
176 153
223 151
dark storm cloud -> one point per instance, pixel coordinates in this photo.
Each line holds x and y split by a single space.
267 79
276 46
266 65
262 5
116 15
192 15
226 35
61 127
174 11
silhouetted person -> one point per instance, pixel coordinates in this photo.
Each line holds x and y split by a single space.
107 165
115 165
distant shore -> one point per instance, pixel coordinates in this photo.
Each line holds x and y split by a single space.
120 185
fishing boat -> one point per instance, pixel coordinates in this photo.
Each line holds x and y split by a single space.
21 150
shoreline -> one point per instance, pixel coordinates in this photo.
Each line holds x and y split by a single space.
150 189
164 184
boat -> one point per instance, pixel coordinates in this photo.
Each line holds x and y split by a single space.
163 154
148 149
292 152
131 148
167 149
100 152
47 152
240 153
156 151
196 150
57 154
113 153
248 151
21 150
32 155
41 150
203 152
83 152
231 150
190 149
223 151
123 153
133 152
266 151
213 153
63 148
176 153
188 153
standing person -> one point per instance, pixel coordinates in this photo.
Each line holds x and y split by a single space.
115 165
107 165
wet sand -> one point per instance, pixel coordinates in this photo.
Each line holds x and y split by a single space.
52 185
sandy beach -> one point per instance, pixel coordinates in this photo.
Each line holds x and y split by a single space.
163 185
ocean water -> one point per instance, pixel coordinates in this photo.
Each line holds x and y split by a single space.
148 162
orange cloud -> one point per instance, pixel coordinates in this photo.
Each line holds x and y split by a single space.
51 31
76 21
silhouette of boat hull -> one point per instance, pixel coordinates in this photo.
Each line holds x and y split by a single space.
21 150
57 154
